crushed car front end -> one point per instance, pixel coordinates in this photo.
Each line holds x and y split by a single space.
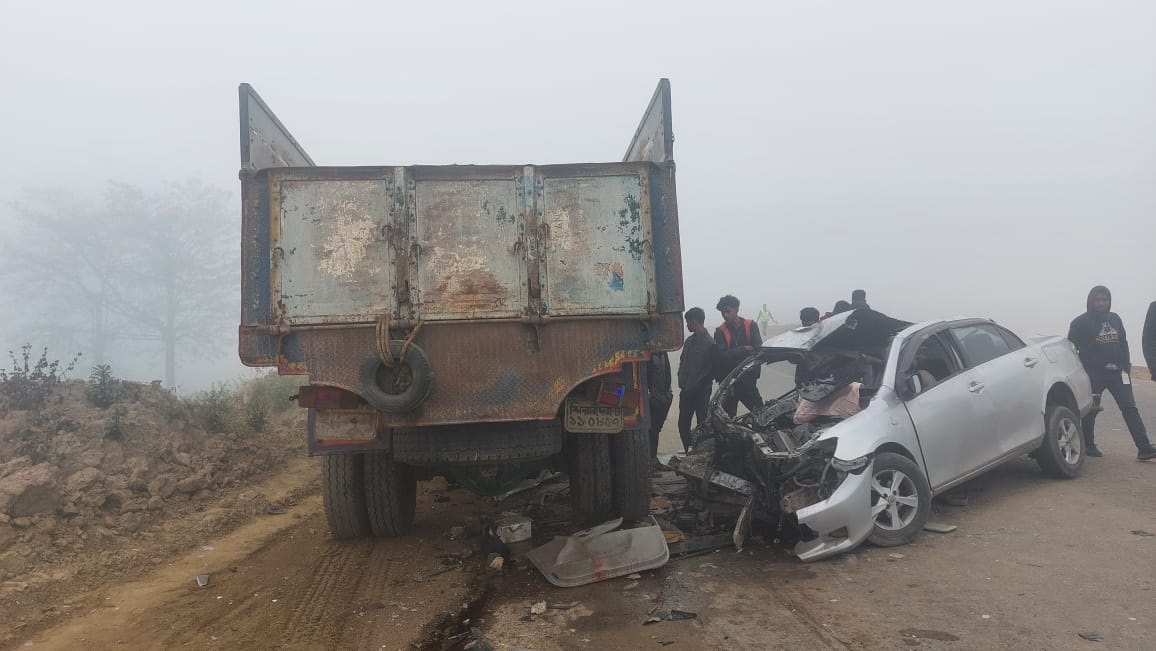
802 463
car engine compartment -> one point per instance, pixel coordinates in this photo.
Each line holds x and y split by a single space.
766 464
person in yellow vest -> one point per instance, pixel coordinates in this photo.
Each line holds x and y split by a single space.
737 338
764 319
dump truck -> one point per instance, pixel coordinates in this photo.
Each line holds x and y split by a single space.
482 323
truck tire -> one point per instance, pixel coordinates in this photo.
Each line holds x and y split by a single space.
416 379
390 495
476 444
588 457
342 476
630 458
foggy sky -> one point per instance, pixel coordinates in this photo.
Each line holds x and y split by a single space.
982 158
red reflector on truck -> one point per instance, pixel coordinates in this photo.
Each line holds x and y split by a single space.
327 398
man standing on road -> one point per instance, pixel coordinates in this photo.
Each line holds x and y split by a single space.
1099 335
1148 341
737 339
695 374
765 318
658 381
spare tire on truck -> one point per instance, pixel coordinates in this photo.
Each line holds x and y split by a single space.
400 388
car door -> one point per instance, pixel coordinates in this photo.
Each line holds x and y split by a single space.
944 411
1012 380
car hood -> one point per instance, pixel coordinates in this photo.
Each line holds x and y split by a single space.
856 330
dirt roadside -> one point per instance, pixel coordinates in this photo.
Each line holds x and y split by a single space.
1035 563
280 582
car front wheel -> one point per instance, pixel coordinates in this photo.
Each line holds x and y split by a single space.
900 500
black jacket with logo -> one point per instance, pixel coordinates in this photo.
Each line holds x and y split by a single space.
1100 336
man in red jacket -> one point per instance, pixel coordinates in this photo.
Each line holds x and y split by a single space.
737 338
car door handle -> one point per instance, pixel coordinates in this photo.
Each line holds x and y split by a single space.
975 387
1031 362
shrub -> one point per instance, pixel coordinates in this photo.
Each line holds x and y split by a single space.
216 409
103 389
29 384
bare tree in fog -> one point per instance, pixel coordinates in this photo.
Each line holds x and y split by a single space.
138 267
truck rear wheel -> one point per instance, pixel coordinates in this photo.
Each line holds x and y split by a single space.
390 495
342 476
588 457
630 457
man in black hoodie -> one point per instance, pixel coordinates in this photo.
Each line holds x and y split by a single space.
1099 335
1148 342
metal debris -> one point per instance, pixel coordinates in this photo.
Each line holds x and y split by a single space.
1093 636
527 484
1141 532
939 527
698 544
202 580
955 499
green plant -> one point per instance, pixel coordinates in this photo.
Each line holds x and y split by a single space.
216 409
114 432
274 392
256 415
103 389
267 395
28 384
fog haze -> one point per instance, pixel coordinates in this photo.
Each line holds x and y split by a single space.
981 158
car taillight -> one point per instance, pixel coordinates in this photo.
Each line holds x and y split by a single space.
319 397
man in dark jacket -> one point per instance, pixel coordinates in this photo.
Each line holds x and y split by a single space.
737 339
859 300
1148 341
809 316
695 374
1099 335
658 381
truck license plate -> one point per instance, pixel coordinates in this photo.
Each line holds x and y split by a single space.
587 417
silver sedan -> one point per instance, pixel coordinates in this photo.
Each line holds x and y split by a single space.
884 416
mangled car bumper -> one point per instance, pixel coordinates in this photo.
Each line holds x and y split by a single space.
839 523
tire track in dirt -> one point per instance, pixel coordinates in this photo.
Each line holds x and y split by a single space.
320 614
280 582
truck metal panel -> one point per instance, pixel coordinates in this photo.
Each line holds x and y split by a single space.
519 282
327 252
265 142
654 139
469 255
597 256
